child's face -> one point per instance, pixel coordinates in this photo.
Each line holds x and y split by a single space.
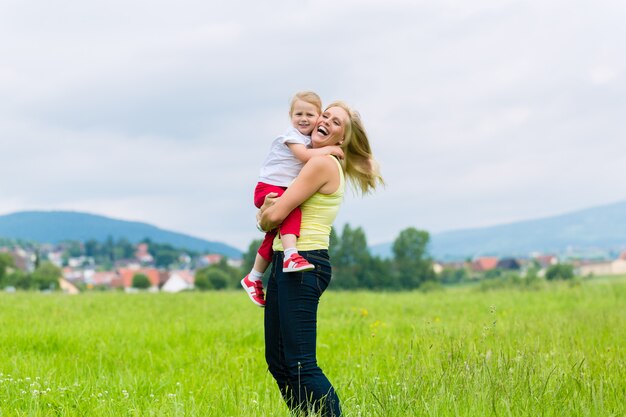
304 116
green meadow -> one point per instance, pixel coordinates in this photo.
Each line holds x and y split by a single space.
557 351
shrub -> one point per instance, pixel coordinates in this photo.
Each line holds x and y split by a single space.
431 286
141 281
560 271
513 281
211 278
46 277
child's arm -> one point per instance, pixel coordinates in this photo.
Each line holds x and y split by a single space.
304 154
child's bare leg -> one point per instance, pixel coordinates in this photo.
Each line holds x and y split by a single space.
259 268
293 261
289 242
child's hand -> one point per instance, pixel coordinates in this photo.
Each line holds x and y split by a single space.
336 151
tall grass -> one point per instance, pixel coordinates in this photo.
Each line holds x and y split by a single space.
554 352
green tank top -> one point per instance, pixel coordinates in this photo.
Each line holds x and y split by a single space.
318 214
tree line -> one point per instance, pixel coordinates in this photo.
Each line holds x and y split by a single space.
44 277
410 267
354 267
106 253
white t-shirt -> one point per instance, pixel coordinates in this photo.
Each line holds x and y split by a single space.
281 166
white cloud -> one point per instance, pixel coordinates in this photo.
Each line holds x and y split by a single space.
603 74
479 112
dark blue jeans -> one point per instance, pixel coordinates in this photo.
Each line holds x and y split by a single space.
290 335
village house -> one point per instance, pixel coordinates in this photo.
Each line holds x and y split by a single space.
235 263
103 279
81 272
437 267
209 259
73 274
126 276
509 264
142 254
484 263
179 281
545 261
614 267
81 261
22 259
67 287
56 258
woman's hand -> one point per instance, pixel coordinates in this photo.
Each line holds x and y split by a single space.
270 200
319 174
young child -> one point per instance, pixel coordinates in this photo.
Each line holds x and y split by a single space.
287 156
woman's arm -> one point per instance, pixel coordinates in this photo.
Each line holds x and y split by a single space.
314 175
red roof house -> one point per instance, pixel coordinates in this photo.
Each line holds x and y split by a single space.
127 274
485 263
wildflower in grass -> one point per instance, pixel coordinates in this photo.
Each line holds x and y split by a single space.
374 326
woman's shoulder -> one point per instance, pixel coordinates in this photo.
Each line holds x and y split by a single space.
326 169
325 162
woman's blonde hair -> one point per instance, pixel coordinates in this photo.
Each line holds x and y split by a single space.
308 97
359 164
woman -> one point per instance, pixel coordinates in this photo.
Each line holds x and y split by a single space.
292 299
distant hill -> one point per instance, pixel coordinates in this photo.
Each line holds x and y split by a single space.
56 226
602 227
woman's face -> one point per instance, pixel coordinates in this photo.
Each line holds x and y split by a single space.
330 127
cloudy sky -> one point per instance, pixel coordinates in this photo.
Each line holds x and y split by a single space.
480 112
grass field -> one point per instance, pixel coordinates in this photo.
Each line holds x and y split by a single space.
460 352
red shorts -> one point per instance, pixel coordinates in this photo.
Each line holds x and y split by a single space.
289 226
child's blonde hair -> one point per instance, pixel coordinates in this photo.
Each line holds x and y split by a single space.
309 97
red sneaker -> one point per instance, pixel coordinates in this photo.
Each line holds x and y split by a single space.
254 290
297 263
